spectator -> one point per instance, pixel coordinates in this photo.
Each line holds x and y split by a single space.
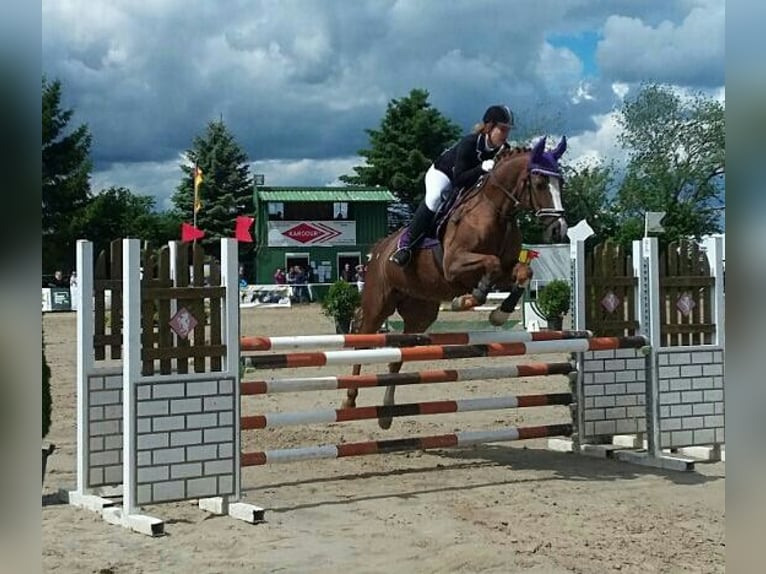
58 280
361 271
300 291
346 274
73 289
291 275
279 276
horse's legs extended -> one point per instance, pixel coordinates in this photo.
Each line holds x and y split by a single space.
522 275
375 309
418 316
467 263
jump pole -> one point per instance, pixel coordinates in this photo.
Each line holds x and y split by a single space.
438 352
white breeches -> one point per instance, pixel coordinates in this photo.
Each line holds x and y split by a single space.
436 184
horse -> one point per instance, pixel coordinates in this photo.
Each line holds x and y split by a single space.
481 243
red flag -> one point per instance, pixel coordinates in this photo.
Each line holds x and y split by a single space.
190 233
242 229
527 255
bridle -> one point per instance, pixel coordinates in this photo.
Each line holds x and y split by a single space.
515 196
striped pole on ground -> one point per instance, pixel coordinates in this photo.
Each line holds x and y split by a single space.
438 352
331 383
403 410
402 339
452 440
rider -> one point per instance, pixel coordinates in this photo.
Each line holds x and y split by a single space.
460 166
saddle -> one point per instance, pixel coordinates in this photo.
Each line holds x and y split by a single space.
451 201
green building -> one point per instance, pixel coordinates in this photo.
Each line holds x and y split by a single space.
318 228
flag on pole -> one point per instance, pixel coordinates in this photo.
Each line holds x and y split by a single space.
190 233
653 222
242 229
527 255
198 179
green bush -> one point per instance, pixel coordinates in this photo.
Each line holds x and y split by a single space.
47 403
341 301
553 299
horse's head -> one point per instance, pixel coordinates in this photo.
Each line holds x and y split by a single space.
545 183
532 180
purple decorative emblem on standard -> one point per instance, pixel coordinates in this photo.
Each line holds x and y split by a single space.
685 304
183 322
610 302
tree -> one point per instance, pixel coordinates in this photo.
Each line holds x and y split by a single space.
117 213
411 136
588 194
676 163
227 187
66 171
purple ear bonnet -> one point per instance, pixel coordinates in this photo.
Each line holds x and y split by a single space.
547 162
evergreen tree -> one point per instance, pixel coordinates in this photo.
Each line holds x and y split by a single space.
66 171
226 190
411 136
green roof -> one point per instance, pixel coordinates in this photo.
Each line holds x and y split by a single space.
349 194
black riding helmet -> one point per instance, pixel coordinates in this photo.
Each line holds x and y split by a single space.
498 115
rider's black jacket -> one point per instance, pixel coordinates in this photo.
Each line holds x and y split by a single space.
462 162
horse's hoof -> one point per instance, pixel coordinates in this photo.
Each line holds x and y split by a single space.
385 424
347 404
498 318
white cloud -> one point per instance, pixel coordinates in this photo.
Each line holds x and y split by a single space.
598 145
561 67
582 92
160 179
620 89
691 52
157 179
305 171
298 81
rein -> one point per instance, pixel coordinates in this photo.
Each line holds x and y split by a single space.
515 196
524 185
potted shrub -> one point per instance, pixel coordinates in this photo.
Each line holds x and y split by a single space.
47 407
340 304
553 301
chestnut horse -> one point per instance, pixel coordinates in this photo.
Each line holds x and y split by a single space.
481 243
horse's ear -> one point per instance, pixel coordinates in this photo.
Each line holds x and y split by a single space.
537 151
561 148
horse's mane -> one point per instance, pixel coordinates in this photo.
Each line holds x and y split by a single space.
504 155
509 152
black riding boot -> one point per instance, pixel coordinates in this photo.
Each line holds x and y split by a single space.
421 223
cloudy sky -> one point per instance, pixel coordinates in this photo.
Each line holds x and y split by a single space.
298 81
